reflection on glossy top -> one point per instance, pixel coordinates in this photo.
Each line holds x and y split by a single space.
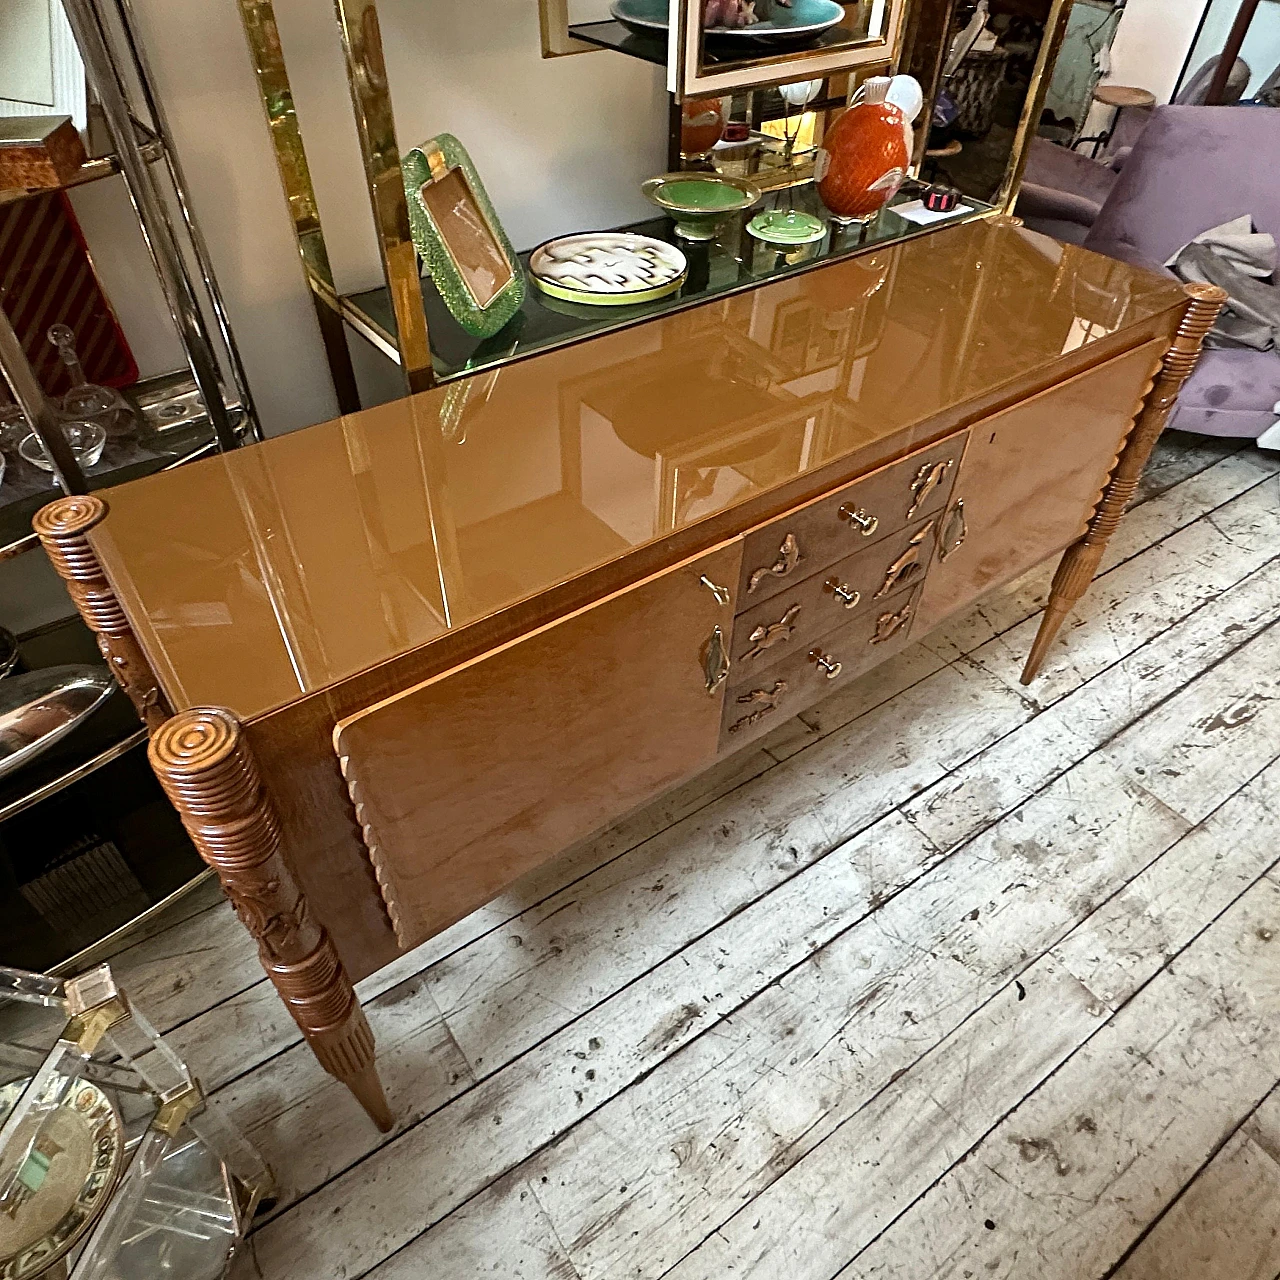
276 570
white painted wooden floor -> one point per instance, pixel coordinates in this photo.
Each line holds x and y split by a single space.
948 978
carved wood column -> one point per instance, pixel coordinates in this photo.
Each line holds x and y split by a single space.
205 765
1080 563
63 528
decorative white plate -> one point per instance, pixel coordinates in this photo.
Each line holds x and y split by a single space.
608 268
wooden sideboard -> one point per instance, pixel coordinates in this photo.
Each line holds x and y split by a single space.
393 662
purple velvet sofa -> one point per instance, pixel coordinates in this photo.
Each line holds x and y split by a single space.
1194 168
1063 190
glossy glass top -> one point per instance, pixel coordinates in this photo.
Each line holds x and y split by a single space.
283 567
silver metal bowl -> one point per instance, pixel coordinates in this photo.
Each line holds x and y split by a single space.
42 707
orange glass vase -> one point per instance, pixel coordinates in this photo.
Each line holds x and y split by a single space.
864 157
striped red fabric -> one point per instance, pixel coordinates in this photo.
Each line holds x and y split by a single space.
47 277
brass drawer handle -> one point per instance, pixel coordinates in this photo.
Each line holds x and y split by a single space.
762 702
843 592
928 478
715 660
722 594
788 557
889 624
956 532
826 662
765 636
907 566
860 519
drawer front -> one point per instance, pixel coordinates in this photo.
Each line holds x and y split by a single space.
465 782
772 630
854 517
755 704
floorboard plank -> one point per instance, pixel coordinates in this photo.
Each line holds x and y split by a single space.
1223 1227
1073 1175
807 1225
990 785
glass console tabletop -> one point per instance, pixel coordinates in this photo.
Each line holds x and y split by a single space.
719 267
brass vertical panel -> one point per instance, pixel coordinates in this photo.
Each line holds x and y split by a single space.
553 24
267 52
371 100
1055 29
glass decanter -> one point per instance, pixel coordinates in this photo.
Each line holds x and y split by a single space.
86 401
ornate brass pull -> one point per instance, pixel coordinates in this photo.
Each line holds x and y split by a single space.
788 557
860 519
763 701
956 531
907 566
843 592
928 478
889 624
715 660
826 662
722 594
766 636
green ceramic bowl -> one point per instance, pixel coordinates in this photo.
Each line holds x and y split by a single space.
700 202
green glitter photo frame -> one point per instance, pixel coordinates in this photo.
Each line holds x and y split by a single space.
458 236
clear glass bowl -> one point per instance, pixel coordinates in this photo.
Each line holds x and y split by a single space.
86 439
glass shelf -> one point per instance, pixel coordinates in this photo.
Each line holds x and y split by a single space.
652 47
174 429
716 269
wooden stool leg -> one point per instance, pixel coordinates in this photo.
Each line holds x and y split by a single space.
63 527
205 765
1080 563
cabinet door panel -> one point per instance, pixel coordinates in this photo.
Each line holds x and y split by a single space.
466 781
1031 477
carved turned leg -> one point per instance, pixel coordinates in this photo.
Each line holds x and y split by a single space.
205 766
1080 563
63 527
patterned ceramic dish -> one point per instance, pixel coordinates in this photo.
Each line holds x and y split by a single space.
608 268
803 20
